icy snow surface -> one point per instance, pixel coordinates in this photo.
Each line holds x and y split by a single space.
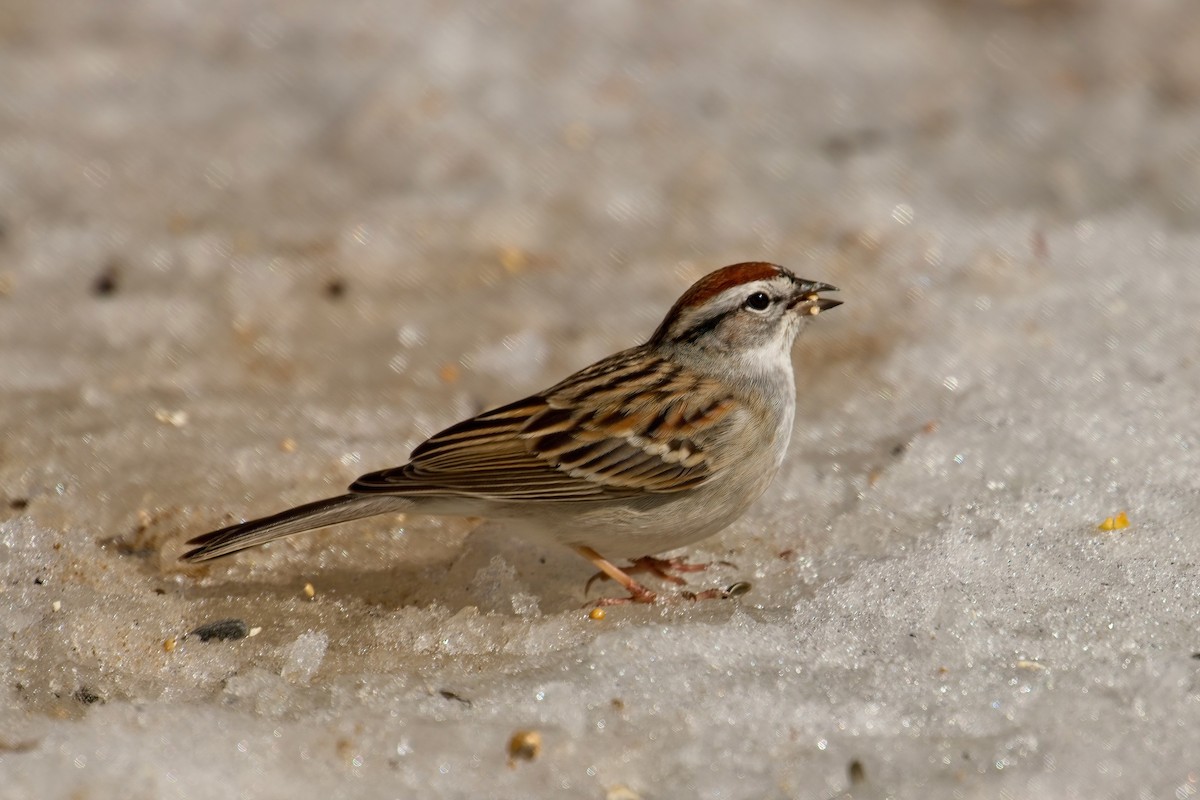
249 250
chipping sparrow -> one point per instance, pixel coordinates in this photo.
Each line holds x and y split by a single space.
651 449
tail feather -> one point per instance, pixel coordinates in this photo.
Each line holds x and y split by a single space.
295 520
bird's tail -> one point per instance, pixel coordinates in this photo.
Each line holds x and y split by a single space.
295 520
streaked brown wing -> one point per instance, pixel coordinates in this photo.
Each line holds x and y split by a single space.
583 439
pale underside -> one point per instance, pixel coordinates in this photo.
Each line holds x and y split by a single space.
586 463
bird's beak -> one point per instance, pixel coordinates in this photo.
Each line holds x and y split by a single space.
807 299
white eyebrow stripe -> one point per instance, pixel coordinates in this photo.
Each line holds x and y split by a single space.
692 325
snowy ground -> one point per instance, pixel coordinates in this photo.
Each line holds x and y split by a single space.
251 250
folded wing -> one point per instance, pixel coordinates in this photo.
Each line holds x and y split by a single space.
629 425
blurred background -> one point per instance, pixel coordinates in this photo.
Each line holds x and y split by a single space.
250 250
457 202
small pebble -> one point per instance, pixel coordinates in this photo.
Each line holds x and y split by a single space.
738 589
106 282
335 288
222 630
169 645
56 605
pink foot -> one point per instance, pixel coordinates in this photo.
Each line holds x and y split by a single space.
664 568
635 596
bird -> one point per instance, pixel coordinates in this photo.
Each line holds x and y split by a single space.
651 449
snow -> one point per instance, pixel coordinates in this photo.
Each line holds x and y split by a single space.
248 255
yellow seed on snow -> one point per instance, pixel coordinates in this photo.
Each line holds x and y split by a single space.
597 614
525 746
513 259
1115 522
175 418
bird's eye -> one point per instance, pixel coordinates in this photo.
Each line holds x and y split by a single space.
759 301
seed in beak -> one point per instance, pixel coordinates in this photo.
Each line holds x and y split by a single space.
820 304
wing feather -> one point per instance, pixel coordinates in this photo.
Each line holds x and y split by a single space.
584 439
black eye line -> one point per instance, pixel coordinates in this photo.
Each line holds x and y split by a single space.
704 326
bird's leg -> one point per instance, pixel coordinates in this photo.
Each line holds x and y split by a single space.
637 592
